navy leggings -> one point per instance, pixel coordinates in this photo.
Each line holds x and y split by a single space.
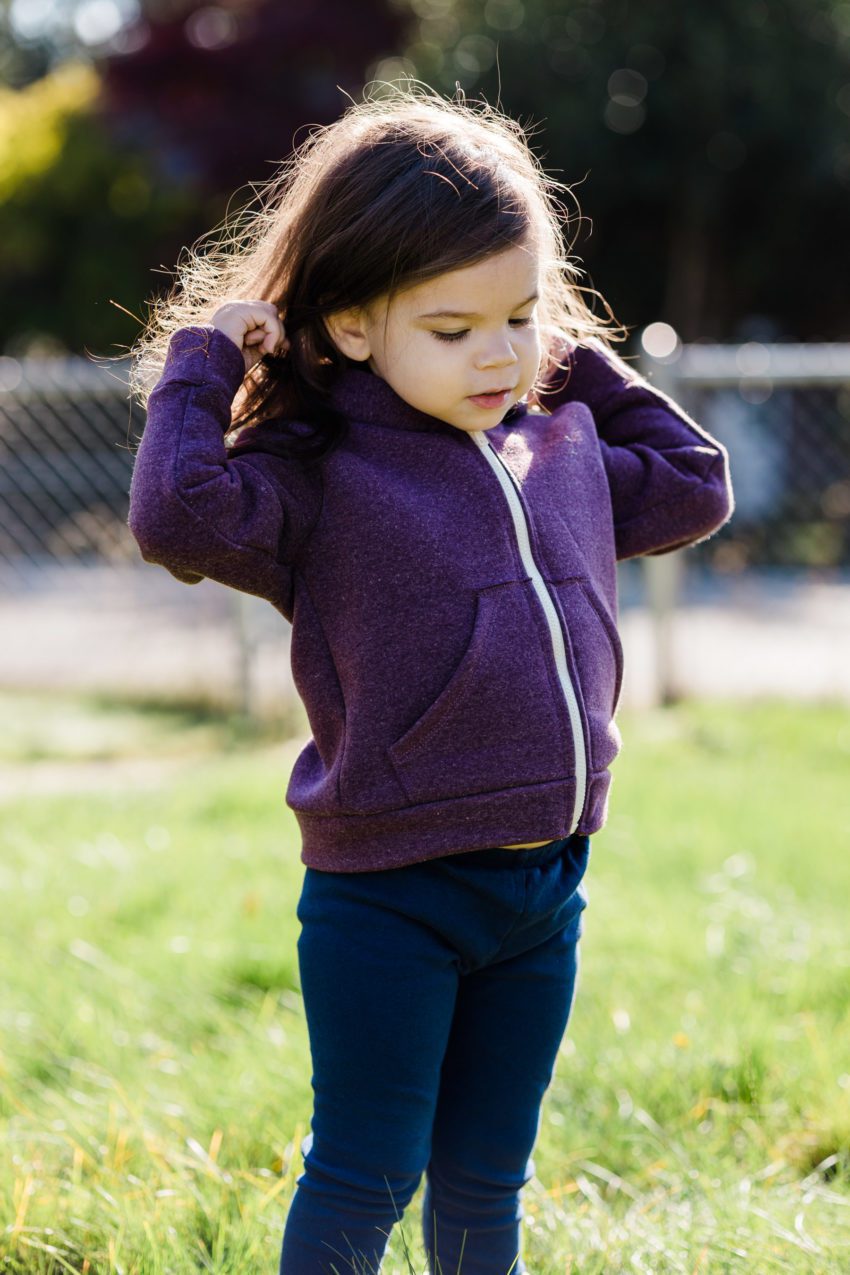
436 996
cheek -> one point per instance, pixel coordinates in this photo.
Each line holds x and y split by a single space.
533 351
424 367
430 355
404 355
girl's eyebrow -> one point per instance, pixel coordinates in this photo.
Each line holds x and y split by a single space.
470 314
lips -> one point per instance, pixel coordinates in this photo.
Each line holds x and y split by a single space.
492 398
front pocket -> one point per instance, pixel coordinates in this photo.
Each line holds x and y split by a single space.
598 660
499 721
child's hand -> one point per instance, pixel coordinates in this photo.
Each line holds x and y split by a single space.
254 326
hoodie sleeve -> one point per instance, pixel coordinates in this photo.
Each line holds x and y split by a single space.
669 479
194 510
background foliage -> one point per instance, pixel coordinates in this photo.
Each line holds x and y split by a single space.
136 148
714 140
707 145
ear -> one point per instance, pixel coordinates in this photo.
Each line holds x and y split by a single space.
348 331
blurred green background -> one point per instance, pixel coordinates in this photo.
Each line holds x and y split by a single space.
708 145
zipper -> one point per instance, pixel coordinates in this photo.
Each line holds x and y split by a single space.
510 487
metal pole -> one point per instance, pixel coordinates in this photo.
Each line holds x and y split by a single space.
663 574
244 652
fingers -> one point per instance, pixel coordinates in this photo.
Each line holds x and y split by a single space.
268 334
261 328
255 326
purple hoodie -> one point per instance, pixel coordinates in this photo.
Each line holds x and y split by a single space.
452 595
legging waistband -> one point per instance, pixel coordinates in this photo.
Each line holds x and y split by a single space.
502 857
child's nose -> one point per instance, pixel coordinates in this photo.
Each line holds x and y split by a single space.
499 352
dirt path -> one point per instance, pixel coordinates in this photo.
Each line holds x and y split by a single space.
138 631
42 778
49 777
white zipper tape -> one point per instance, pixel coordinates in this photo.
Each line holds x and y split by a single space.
510 487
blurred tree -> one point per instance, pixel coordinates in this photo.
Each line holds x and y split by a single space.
66 198
709 145
236 80
137 151
21 61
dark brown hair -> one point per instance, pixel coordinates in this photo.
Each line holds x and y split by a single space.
403 187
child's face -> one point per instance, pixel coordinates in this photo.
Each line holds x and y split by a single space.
441 363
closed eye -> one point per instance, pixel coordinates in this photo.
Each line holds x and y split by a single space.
458 336
450 336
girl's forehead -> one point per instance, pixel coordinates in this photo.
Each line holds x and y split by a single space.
508 276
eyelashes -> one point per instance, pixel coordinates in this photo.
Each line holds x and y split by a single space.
458 336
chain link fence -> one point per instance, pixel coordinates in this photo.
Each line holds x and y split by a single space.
783 411
77 602
66 457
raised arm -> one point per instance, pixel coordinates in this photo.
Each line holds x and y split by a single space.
669 479
192 509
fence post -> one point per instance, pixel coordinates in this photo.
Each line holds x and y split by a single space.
663 574
245 650
663 577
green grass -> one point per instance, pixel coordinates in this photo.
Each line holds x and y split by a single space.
154 1064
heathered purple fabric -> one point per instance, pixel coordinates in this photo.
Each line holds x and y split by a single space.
420 647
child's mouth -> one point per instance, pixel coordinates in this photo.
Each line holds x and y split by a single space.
490 400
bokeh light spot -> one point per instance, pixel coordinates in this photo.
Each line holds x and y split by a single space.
660 340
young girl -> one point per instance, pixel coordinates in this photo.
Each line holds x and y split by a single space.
384 406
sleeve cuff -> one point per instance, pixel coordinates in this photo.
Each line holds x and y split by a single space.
203 355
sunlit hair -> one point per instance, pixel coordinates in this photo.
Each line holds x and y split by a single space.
404 186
